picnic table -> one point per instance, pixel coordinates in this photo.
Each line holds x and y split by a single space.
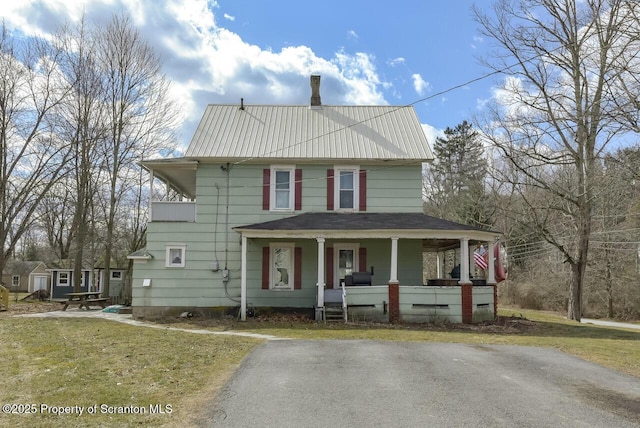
85 298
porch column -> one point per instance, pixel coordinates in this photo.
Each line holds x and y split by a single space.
466 287
491 279
320 284
464 260
243 280
151 178
394 260
440 264
394 285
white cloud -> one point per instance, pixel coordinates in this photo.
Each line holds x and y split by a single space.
396 62
432 133
352 34
419 84
210 64
229 17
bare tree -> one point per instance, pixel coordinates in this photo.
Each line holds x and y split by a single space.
84 129
32 155
140 114
556 111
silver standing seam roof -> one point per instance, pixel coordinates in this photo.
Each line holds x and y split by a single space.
302 132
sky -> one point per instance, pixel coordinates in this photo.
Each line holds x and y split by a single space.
406 52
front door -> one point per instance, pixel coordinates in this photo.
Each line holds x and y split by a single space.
346 260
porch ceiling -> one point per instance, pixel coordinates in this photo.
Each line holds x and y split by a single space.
178 173
441 233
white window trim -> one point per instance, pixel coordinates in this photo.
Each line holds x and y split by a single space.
168 262
114 272
355 246
272 187
290 246
356 187
67 280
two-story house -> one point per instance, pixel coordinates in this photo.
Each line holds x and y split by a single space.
299 208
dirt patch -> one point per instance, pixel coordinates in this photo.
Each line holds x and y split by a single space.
26 307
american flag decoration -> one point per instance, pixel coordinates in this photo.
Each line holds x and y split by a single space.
479 257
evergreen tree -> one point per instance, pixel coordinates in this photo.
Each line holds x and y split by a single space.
455 183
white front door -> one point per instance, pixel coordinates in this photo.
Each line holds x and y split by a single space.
346 261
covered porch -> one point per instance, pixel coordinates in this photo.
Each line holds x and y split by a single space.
384 298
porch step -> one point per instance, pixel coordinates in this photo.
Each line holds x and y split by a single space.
333 313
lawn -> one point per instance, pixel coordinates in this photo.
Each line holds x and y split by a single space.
52 366
106 367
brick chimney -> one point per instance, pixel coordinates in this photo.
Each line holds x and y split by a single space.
315 91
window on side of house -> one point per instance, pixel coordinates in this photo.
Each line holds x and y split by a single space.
282 188
175 255
63 279
116 274
15 280
282 265
346 188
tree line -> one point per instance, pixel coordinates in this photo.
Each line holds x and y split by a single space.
78 111
553 160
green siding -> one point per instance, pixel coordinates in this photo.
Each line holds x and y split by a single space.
211 238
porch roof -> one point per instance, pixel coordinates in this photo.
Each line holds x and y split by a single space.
366 225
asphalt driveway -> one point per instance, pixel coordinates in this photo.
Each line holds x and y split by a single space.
300 383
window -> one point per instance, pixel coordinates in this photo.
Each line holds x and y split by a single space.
346 188
15 280
175 255
116 274
63 279
281 268
282 188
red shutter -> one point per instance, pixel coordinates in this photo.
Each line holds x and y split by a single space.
297 268
329 264
362 259
265 268
363 190
298 190
330 190
266 188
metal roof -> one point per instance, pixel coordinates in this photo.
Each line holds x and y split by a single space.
303 132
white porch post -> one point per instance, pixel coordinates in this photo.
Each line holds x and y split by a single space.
151 177
243 281
464 260
491 280
439 268
394 260
321 284
472 262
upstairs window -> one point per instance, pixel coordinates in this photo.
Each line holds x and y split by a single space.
348 191
282 188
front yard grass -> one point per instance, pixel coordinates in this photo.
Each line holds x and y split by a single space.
70 362
110 367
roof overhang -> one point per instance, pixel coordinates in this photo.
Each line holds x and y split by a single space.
441 234
180 174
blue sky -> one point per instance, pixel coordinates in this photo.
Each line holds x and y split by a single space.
394 53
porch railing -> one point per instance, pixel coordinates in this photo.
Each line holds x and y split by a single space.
173 211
